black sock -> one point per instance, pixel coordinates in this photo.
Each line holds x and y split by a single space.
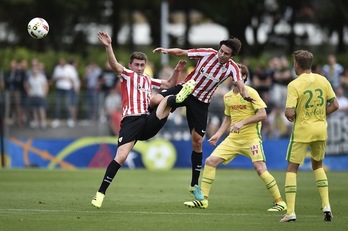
196 161
171 101
110 173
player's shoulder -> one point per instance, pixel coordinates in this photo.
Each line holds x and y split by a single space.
202 50
232 64
251 90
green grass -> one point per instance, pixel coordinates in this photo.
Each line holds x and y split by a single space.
34 199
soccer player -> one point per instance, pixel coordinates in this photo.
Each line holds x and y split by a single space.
244 120
137 123
213 67
310 99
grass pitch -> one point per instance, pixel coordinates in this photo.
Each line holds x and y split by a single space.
36 199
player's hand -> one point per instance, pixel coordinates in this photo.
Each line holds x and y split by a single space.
160 49
180 66
249 99
213 140
104 38
237 127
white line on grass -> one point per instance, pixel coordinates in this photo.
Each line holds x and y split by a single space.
203 213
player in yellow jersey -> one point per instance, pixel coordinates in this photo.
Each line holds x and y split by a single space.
244 120
310 99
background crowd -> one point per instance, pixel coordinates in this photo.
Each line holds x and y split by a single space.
38 99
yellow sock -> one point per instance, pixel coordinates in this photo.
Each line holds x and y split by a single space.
207 179
271 186
290 191
322 185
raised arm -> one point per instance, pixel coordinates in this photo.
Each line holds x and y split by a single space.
171 82
172 51
106 40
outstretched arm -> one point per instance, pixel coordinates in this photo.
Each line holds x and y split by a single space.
106 40
171 82
171 51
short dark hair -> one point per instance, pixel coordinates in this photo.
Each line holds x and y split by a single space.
303 59
137 55
233 43
244 71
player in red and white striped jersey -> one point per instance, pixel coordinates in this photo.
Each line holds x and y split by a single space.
137 122
213 67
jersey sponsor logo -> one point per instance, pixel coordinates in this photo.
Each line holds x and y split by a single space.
210 77
254 149
238 107
140 88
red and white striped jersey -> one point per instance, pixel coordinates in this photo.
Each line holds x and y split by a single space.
136 92
209 73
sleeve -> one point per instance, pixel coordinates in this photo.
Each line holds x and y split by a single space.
235 71
227 110
258 102
200 52
292 96
155 83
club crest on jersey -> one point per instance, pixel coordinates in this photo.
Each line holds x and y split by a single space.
140 88
254 149
210 77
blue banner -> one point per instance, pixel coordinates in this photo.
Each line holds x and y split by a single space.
155 154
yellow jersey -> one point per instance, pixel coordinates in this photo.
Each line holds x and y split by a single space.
308 94
239 109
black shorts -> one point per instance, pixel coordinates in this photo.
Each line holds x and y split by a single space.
143 127
152 126
196 111
130 128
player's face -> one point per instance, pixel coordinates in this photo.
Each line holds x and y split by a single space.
138 66
225 53
296 68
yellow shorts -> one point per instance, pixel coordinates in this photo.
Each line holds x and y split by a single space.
229 149
297 151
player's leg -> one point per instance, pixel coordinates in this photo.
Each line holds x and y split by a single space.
295 156
130 129
111 171
271 185
318 152
222 154
290 192
156 100
171 101
197 116
207 180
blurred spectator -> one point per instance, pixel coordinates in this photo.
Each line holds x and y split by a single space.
261 79
107 80
14 79
75 93
280 127
113 108
150 69
342 101
333 71
282 76
344 82
37 89
64 77
92 73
